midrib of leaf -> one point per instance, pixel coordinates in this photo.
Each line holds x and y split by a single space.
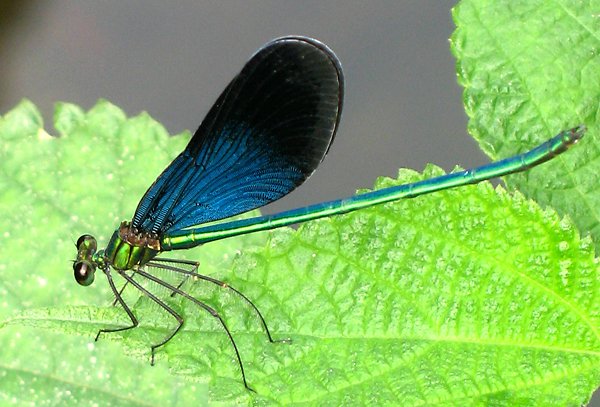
442 338
434 337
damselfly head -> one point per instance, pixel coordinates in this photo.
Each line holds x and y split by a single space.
84 266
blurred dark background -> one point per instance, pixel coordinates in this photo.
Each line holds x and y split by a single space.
403 107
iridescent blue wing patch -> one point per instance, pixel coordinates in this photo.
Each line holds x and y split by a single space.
263 137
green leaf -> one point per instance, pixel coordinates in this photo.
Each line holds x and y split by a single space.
531 69
468 297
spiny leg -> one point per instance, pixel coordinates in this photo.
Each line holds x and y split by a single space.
207 308
122 289
118 298
195 265
160 303
221 284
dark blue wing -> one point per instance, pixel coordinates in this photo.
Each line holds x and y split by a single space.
263 137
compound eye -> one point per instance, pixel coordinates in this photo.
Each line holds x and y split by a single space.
84 273
86 238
